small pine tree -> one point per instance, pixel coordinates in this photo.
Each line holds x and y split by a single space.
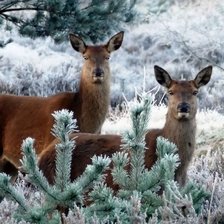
56 18
64 193
138 182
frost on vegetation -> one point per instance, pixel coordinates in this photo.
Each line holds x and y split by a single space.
208 171
182 48
8 208
138 198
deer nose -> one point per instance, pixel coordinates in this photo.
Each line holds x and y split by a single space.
183 107
98 72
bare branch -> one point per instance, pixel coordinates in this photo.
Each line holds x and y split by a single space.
189 49
8 9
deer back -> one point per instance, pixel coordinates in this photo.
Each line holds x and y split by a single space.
87 145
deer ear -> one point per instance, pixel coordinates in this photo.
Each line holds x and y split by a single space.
77 43
162 76
203 77
115 42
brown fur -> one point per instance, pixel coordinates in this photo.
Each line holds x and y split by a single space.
179 128
26 116
87 145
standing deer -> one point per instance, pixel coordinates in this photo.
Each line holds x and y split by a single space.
23 116
179 128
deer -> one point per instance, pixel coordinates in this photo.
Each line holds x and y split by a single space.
179 128
30 116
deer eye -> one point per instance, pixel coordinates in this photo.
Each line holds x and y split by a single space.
195 92
170 92
107 57
85 57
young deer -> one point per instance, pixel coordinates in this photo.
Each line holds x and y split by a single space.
179 128
23 116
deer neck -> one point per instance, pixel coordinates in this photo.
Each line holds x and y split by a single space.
94 93
95 99
182 133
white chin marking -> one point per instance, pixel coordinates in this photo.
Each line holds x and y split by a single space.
183 115
97 79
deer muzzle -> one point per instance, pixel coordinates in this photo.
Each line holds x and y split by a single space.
183 110
98 75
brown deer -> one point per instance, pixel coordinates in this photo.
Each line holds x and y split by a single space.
179 128
23 116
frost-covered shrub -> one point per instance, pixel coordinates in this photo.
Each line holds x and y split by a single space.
182 39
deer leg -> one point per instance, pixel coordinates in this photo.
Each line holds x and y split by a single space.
8 168
181 176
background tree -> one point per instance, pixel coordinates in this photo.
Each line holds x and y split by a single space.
90 19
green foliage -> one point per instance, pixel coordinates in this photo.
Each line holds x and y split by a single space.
8 191
135 141
64 193
56 18
106 205
198 195
130 174
62 128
